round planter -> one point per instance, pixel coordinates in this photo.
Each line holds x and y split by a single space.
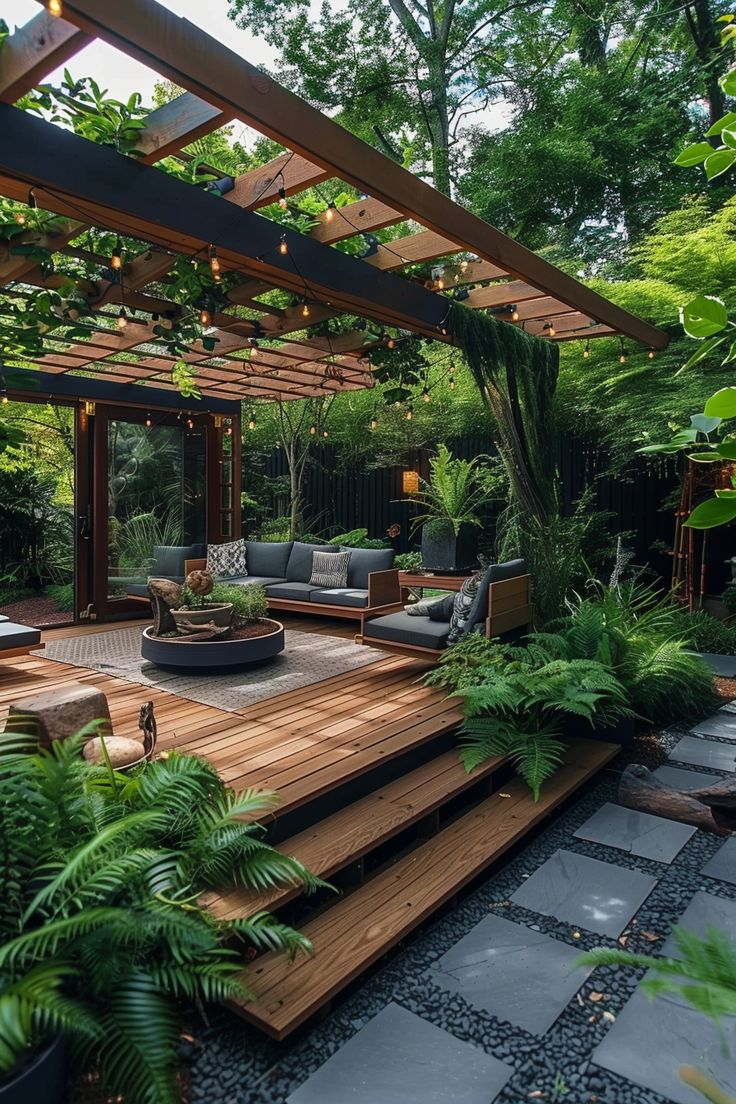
220 615
212 656
43 1079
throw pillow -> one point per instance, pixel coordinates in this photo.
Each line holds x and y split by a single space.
330 569
462 605
442 610
422 607
227 561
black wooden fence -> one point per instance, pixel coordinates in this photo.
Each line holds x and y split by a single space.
640 502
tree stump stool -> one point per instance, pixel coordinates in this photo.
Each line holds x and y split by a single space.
59 713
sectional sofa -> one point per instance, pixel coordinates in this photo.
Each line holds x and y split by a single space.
17 640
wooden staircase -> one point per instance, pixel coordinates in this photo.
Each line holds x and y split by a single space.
385 897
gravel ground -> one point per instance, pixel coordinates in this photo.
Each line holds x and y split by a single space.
37 612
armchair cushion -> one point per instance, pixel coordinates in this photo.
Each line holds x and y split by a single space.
268 557
299 567
168 559
341 597
292 592
400 628
365 560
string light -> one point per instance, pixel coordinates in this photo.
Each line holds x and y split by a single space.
650 354
409 414
190 425
452 384
55 7
549 327
330 212
374 422
4 396
305 309
122 319
586 350
116 259
205 317
390 343
20 218
228 431
252 420
313 430
425 394
283 202
214 261
325 433
440 283
622 358
283 246
514 313
149 420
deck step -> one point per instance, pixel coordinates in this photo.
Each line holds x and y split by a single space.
356 931
346 836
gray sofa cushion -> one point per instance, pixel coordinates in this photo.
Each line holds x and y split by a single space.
365 560
294 592
139 590
268 557
254 580
299 567
168 560
400 628
442 610
496 573
18 636
340 597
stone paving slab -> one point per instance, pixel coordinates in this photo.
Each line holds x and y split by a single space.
518 975
704 911
723 863
681 779
722 665
641 834
704 753
650 1040
399 1058
598 896
721 724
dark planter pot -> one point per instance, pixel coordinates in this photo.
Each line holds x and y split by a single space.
212 656
44 1079
621 733
443 551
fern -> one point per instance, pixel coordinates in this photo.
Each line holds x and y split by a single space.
535 750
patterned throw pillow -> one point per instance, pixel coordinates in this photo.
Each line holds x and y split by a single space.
227 561
422 607
461 607
330 569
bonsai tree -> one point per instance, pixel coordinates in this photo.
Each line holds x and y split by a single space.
102 933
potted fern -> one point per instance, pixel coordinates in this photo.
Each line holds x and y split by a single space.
449 504
101 933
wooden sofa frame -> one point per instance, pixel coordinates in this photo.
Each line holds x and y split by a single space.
509 607
384 596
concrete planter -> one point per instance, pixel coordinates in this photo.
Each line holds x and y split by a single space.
442 550
221 615
43 1079
213 656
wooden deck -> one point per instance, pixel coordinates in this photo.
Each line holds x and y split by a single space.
398 842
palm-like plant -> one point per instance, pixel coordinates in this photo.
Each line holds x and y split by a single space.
101 932
455 492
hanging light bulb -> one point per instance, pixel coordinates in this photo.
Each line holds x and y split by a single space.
283 246
374 422
55 7
330 212
313 430
325 433
586 350
440 283
20 218
4 396
409 414
252 420
205 317
283 202
452 384
549 327
214 260
514 313
229 430
390 343
650 354
425 394
305 309
122 319
116 259
149 420
622 358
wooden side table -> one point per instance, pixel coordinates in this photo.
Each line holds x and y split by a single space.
415 580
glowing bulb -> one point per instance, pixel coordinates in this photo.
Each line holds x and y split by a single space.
452 384
650 354
409 414
305 310
116 260
283 203
20 218
313 430
205 317
149 421
374 423
425 395
122 319
391 343
514 315
325 433
283 247
622 359
214 261
252 422
330 212
55 7
4 399
190 424
440 283
586 353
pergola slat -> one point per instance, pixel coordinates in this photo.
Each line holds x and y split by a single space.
34 50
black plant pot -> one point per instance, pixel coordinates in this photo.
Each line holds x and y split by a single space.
43 1079
623 732
442 550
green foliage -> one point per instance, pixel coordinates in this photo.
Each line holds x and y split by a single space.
455 492
531 744
249 602
87 109
140 533
703 632
358 538
62 594
408 561
183 376
101 935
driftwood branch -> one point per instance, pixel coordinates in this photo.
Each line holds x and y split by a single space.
712 808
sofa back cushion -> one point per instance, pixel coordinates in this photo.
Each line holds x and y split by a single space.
365 560
330 571
168 559
268 558
496 573
299 567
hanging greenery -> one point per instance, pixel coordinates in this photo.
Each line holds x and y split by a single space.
399 368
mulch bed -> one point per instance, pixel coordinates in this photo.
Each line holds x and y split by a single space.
38 612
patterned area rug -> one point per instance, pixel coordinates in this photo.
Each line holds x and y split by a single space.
307 658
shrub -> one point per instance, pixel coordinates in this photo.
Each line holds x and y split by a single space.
706 633
101 933
62 594
249 602
408 561
358 538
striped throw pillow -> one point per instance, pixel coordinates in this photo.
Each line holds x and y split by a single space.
330 569
463 602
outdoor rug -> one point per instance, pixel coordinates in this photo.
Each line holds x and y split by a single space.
307 658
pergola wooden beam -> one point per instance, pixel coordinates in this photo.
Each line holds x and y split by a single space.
191 58
34 50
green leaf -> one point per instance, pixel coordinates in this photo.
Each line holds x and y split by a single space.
694 154
703 423
719 162
712 513
728 83
703 457
726 450
723 492
722 404
708 346
704 315
725 121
